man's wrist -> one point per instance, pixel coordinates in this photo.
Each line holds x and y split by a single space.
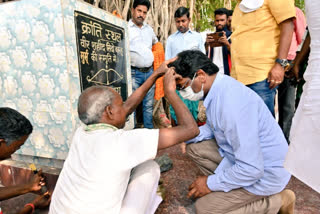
209 182
284 63
278 66
26 187
154 76
171 94
30 206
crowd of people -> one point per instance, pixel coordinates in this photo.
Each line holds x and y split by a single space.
241 149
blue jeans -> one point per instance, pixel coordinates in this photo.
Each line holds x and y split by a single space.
138 78
267 94
286 102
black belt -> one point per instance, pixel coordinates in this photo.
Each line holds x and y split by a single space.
144 70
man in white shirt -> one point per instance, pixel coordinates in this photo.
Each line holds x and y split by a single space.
110 170
142 38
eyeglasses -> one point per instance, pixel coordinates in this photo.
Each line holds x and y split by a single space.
178 87
183 86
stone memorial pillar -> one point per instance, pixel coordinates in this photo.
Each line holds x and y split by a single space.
50 51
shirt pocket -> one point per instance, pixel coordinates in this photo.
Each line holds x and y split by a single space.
193 46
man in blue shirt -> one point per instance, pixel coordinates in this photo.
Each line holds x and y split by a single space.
240 149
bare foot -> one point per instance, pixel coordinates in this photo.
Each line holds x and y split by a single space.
183 147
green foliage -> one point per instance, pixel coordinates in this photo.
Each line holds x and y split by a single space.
204 13
300 4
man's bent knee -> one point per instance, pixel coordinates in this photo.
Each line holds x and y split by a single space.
147 169
203 208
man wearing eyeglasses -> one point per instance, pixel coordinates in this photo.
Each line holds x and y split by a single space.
240 149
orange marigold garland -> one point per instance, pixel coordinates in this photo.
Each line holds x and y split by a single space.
158 53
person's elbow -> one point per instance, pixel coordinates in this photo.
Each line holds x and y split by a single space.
255 173
250 173
192 130
287 25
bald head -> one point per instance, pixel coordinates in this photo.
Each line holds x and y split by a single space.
92 102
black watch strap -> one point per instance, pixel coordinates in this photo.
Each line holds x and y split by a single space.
282 62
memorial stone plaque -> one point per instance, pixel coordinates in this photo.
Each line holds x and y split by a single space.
49 52
101 49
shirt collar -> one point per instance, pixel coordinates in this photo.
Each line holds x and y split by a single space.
189 31
248 6
98 126
211 92
132 24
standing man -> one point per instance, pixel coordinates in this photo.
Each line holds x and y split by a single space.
142 38
220 55
184 39
230 13
287 89
261 38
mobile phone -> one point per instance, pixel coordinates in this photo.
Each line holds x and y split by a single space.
216 37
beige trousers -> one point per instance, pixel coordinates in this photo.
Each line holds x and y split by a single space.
205 154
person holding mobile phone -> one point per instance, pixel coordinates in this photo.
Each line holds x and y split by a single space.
218 43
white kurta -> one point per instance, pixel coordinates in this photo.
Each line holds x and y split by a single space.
96 173
303 157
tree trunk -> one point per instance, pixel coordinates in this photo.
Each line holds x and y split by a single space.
191 12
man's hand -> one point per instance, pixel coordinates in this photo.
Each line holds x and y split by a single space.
36 182
169 82
275 76
199 187
163 67
223 39
295 71
42 201
209 39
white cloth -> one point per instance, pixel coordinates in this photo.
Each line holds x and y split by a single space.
248 6
218 58
141 41
95 175
303 157
143 183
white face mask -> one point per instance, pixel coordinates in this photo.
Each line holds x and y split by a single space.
189 94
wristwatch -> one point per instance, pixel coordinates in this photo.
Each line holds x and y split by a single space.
283 62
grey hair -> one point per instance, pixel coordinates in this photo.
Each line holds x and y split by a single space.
92 102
